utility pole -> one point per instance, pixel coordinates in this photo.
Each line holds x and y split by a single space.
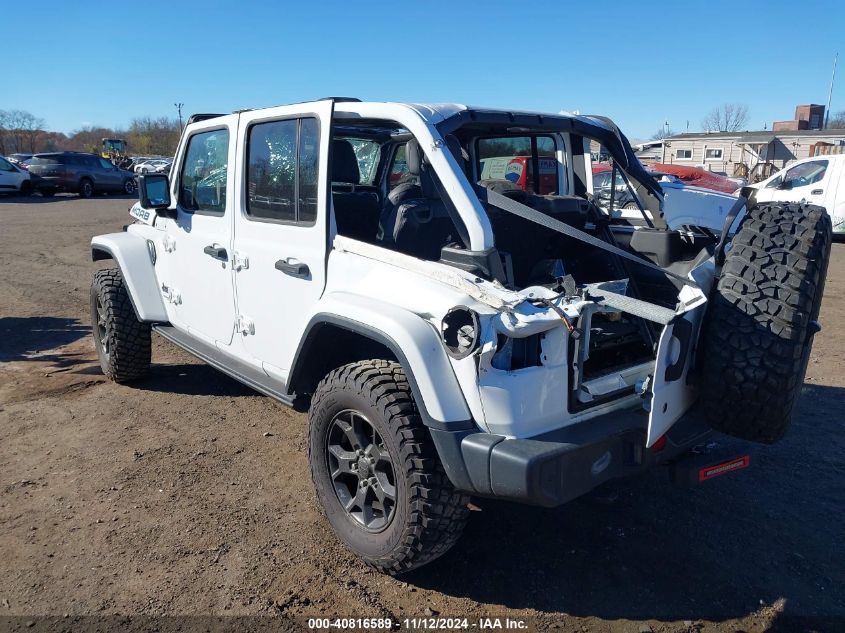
179 110
830 93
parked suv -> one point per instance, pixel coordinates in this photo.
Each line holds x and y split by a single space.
77 172
450 340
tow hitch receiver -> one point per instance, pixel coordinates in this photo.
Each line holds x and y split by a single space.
697 469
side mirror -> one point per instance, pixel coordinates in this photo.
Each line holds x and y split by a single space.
154 192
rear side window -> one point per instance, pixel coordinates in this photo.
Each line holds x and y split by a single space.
515 158
46 160
283 171
202 183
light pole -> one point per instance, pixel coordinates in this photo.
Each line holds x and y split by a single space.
179 110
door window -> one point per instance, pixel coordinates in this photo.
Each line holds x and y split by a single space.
283 171
5 165
202 183
804 174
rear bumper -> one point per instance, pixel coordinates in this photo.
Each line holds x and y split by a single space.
556 467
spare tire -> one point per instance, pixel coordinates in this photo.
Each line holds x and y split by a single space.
762 316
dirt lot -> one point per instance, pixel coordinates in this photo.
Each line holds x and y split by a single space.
169 498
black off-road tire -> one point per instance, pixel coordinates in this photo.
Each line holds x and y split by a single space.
429 514
86 188
123 342
760 324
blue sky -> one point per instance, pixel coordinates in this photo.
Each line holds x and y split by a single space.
639 62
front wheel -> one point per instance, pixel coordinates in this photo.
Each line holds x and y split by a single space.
86 188
376 472
26 188
123 342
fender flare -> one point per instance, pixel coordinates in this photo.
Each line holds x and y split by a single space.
414 343
132 256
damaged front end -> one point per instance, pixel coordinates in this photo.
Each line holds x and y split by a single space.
567 353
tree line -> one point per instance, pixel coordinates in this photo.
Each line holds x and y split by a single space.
23 132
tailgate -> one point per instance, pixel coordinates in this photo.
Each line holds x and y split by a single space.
671 393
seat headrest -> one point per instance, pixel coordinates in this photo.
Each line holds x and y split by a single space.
413 157
344 162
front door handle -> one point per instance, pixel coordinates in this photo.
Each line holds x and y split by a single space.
217 252
817 192
293 267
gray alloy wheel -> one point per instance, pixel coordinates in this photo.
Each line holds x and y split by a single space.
361 470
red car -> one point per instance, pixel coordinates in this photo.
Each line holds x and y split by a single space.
697 177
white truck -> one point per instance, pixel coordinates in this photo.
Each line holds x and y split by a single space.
449 335
819 180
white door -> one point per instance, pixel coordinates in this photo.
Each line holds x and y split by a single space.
805 181
281 222
198 272
10 177
836 196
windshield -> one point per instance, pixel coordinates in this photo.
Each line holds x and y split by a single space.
367 152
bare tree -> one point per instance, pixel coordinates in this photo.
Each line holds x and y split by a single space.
837 121
18 131
662 133
4 131
729 117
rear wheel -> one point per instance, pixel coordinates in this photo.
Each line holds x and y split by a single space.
130 186
631 206
86 188
26 188
376 472
761 320
123 343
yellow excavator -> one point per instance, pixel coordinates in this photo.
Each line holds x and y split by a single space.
114 149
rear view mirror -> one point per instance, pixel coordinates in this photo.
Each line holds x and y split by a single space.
154 191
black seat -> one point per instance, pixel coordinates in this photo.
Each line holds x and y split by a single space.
356 212
418 221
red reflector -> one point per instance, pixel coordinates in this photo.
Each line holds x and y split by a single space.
659 445
708 472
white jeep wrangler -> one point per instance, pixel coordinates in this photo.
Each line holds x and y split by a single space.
452 336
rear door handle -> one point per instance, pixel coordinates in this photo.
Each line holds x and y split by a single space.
293 267
217 252
817 192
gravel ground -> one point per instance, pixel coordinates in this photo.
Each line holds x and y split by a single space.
189 495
